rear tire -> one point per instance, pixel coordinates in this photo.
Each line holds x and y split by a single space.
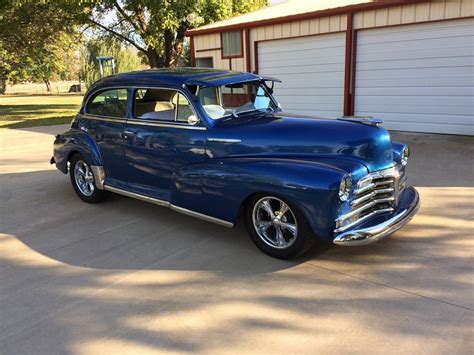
277 227
83 180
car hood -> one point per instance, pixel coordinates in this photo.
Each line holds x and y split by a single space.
285 135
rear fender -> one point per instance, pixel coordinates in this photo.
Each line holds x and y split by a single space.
72 141
218 187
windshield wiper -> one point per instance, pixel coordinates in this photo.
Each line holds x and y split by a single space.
238 113
267 109
264 110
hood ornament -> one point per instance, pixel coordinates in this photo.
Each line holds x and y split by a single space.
364 120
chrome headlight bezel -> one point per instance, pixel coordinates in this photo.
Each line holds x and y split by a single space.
345 187
405 156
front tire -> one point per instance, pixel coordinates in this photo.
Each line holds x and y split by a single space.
277 227
83 180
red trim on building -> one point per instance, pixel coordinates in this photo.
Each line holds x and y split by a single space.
255 54
248 62
353 74
348 65
208 49
305 16
193 57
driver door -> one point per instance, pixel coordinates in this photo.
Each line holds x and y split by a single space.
159 140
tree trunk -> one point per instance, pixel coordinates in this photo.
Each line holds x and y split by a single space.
169 47
178 47
3 80
153 58
48 85
3 86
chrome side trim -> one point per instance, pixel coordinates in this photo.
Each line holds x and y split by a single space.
375 233
169 205
105 119
99 176
224 140
137 196
167 125
202 216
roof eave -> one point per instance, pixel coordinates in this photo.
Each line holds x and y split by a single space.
303 16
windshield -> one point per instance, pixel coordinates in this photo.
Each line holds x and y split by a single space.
235 99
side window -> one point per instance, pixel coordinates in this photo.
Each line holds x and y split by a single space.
183 108
155 104
162 105
109 103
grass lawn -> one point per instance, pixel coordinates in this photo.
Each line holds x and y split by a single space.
17 111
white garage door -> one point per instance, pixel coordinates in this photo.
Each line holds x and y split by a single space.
312 71
418 77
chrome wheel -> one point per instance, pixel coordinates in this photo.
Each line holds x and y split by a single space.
84 178
274 222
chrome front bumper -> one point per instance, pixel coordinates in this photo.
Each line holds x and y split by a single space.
372 233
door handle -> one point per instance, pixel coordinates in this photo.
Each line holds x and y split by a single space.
127 134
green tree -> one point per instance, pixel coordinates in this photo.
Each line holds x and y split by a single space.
156 28
33 37
126 57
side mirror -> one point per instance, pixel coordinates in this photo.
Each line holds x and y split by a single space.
193 120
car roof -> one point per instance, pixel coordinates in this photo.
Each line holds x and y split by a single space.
175 77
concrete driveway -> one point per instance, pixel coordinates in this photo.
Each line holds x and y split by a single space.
127 276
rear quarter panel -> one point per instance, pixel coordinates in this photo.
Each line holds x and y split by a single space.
75 140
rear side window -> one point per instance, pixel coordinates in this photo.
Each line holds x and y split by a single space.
109 103
183 108
162 105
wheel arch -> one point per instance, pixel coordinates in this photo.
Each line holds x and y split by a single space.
75 142
227 185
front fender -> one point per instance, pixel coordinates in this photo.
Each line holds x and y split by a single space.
72 141
218 187
397 151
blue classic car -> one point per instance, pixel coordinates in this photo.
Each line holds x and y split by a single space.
216 145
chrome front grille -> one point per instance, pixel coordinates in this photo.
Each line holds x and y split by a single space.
374 194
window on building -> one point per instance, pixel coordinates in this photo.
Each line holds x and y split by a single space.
232 44
109 103
204 63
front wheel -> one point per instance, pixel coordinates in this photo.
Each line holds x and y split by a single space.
277 227
83 181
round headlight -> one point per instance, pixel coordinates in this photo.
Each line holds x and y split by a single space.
345 187
405 155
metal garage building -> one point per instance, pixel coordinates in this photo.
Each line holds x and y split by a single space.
409 62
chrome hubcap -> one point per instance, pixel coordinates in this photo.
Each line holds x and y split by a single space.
84 178
274 222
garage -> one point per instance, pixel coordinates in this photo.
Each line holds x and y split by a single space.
418 77
312 72
409 63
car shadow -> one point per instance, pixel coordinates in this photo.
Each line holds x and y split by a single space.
41 210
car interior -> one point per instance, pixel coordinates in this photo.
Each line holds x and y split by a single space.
110 103
155 104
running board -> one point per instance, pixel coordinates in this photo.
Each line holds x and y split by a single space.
169 205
